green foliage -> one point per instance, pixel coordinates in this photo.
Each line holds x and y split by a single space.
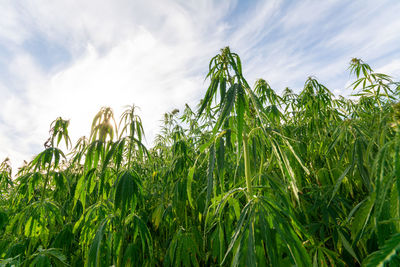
386 253
127 191
253 178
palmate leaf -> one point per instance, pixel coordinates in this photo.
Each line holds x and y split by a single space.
88 224
60 180
84 187
206 102
385 254
244 220
102 126
257 104
64 238
59 129
285 167
270 240
141 146
287 229
127 192
132 123
39 219
27 183
110 154
184 249
263 221
227 106
49 156
95 152
142 231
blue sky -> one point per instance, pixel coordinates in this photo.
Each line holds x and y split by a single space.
69 58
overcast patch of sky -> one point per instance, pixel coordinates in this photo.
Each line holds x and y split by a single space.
69 58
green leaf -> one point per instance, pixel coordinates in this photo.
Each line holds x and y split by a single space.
347 245
339 182
240 108
221 163
361 218
296 156
385 254
243 220
227 107
210 170
209 96
251 248
127 191
189 185
94 258
41 261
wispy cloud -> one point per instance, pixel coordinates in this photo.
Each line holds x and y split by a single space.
69 58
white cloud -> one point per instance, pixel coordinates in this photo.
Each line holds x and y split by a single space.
139 71
10 30
153 70
392 68
155 54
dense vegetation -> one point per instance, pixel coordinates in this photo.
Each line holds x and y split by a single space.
252 178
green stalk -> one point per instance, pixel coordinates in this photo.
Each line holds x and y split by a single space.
247 165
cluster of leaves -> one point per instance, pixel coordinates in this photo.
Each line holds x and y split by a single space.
252 178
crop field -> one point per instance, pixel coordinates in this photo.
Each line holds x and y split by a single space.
249 177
